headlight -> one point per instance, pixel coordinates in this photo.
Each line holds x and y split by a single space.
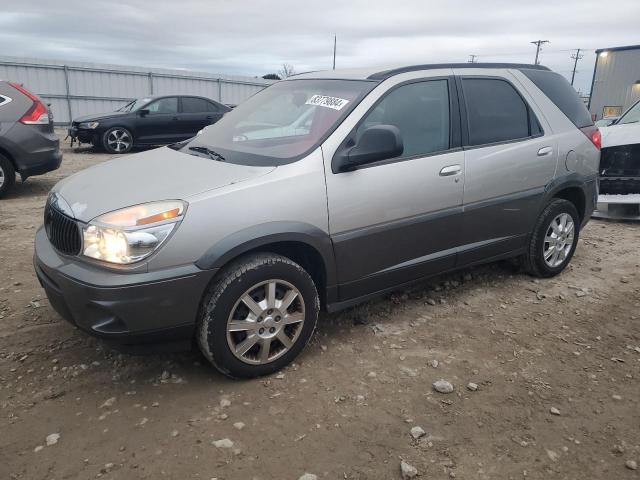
133 233
89 125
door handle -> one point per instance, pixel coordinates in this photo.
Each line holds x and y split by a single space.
174 118
544 151
450 170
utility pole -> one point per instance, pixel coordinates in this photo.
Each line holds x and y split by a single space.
334 52
576 56
539 44
472 59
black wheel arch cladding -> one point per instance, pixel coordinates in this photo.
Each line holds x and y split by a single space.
263 235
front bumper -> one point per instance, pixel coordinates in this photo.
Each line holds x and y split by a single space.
82 135
128 309
620 170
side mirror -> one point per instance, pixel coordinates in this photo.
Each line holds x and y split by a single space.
143 112
379 142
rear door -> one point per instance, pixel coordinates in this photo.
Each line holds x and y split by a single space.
161 125
510 156
196 114
398 220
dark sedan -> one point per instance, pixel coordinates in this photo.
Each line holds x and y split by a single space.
158 120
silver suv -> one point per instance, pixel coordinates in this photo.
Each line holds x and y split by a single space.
28 144
321 191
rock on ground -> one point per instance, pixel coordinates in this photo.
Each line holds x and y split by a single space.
224 443
442 386
308 476
52 439
407 470
417 432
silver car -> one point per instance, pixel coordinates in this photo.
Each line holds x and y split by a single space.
320 192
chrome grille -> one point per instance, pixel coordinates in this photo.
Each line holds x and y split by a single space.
62 231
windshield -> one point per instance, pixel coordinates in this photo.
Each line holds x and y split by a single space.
134 105
282 122
631 116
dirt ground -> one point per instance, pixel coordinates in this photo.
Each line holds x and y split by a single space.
346 408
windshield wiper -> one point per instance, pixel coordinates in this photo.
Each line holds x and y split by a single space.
212 154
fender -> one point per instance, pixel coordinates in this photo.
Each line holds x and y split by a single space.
586 184
266 233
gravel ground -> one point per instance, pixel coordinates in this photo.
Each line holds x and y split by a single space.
544 375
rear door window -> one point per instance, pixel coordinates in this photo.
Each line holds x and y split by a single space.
495 112
195 105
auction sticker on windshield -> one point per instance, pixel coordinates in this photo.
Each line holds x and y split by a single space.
329 102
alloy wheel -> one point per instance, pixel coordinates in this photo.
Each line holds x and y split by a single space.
2 177
265 322
558 240
119 140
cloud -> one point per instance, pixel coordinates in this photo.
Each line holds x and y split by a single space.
254 38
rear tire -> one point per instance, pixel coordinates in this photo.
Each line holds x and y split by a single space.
7 175
553 240
117 140
257 316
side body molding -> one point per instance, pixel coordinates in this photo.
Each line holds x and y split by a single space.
267 233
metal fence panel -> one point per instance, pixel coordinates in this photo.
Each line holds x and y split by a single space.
75 88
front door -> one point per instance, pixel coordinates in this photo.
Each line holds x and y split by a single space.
161 125
398 220
509 159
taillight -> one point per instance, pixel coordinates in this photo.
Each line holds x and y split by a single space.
594 135
37 113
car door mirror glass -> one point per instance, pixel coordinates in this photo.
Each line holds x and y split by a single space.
376 143
143 112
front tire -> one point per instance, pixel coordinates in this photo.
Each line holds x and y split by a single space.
257 316
117 140
7 175
554 239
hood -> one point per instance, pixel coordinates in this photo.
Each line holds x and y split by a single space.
99 116
160 174
623 134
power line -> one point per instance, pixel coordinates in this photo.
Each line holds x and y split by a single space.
546 51
576 56
538 44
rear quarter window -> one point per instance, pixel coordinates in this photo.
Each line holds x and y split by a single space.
562 94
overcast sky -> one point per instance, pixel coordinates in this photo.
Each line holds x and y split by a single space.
256 37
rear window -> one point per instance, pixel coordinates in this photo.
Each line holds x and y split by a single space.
560 92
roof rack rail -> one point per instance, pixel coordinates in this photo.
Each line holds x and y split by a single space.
383 75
